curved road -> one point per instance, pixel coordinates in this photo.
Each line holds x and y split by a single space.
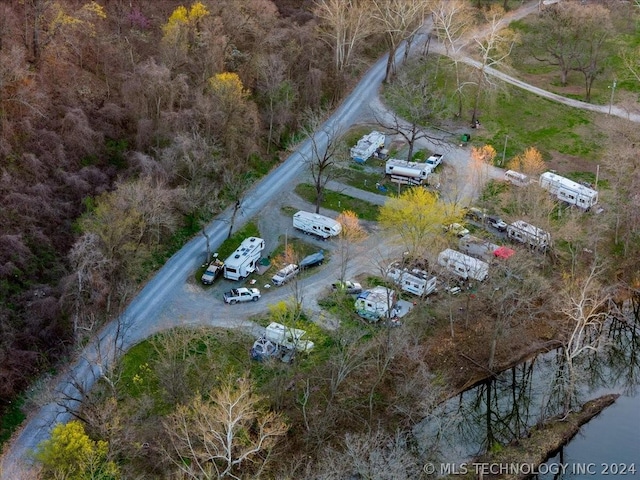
162 303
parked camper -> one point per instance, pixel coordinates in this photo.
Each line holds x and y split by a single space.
314 224
285 274
288 337
463 265
376 303
407 173
531 235
244 260
415 281
367 146
569 191
516 178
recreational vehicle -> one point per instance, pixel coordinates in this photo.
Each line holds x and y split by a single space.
528 234
569 191
244 261
376 303
463 265
516 178
288 337
407 173
367 146
314 224
415 281
477 247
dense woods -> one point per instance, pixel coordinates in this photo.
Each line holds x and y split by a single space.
122 123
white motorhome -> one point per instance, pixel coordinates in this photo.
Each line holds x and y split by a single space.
376 303
367 146
569 191
516 178
407 173
415 281
463 265
244 261
526 233
314 224
287 337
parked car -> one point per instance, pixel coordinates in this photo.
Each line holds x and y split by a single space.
476 214
457 229
347 287
237 295
312 260
285 274
496 222
213 271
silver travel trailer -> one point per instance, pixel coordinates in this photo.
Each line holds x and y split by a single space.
367 146
315 224
516 178
407 173
244 261
463 265
528 234
415 281
569 191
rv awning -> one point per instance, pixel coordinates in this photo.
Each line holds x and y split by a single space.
503 252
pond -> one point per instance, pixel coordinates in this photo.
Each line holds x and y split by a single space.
502 409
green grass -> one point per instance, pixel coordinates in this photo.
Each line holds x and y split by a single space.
363 180
12 417
338 202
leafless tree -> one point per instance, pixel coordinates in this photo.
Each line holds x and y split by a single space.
351 235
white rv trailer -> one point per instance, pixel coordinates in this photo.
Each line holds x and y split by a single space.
367 146
407 173
244 260
569 191
376 303
516 178
288 337
463 265
315 224
415 281
526 233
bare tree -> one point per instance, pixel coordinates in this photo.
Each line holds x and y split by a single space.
494 49
398 20
326 148
452 19
351 234
225 434
345 24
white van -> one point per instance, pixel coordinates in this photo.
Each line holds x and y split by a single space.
516 178
285 274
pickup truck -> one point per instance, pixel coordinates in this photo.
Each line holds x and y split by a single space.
213 271
434 160
236 295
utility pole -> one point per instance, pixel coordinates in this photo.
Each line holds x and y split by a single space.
613 91
504 150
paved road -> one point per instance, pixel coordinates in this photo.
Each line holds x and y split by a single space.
164 302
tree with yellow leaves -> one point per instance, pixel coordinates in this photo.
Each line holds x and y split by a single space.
351 234
530 162
183 25
415 217
72 455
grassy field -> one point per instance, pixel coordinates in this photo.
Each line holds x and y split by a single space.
339 202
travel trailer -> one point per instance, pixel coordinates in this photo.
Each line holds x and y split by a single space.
314 224
516 178
376 303
407 173
569 191
367 146
463 265
531 235
415 281
288 337
244 261
477 247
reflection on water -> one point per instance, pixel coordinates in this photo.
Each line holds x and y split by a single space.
503 408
